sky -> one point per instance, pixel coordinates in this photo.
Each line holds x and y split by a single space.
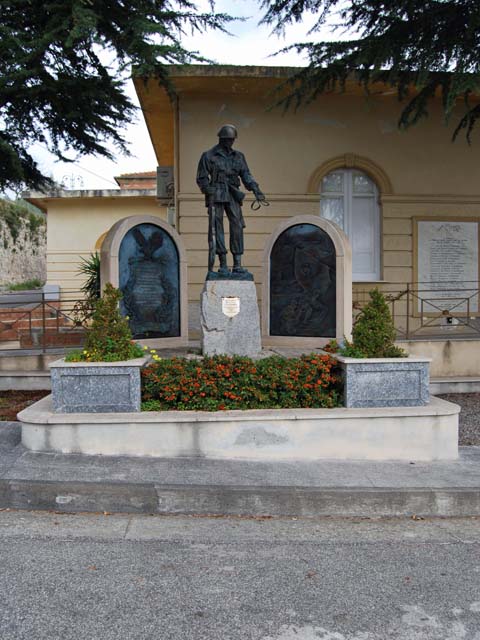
248 45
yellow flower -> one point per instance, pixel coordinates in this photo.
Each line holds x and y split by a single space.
85 353
152 351
145 347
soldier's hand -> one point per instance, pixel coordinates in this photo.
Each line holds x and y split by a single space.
259 196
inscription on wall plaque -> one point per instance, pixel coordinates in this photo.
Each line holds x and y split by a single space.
447 253
150 282
230 306
303 283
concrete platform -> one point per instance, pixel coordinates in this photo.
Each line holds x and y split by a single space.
401 433
75 483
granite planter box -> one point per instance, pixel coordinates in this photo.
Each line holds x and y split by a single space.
385 382
96 387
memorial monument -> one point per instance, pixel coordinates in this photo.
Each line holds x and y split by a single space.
229 315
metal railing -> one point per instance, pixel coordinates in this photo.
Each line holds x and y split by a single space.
41 320
425 310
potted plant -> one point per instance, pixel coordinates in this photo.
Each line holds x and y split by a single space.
375 371
104 377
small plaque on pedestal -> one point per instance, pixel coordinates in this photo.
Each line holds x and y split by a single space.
231 306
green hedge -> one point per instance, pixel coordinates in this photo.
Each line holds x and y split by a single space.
220 383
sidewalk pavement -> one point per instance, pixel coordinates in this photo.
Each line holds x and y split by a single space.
200 486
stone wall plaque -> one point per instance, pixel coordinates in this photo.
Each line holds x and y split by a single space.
230 306
150 282
447 264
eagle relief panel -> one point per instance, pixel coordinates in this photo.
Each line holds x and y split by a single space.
149 278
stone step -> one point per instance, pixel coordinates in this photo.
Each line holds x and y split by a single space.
34 310
25 323
455 384
64 337
24 380
199 486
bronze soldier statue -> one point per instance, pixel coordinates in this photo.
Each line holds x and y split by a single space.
219 173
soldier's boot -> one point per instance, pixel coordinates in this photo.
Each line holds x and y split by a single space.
237 264
223 270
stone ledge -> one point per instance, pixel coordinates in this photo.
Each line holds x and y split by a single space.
63 364
407 360
235 500
408 433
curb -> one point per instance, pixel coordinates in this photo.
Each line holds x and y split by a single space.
121 497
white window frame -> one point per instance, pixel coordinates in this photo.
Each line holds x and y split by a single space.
348 196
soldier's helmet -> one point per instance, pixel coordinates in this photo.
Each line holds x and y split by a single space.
227 131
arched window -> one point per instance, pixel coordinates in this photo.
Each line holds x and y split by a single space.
350 198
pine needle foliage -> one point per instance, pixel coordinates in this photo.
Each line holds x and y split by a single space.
373 333
420 48
63 68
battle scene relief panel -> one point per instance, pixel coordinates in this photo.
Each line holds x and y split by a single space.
303 283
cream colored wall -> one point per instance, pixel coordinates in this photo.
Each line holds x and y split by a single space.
75 225
430 175
283 150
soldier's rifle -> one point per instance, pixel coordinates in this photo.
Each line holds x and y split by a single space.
212 232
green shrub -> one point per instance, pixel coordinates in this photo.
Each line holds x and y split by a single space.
221 382
83 309
349 350
18 214
374 333
109 338
25 286
89 268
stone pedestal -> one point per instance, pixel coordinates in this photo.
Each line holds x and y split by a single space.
229 318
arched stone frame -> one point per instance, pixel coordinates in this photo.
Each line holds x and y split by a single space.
343 262
351 161
109 266
99 242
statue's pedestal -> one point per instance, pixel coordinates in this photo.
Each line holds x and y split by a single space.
229 318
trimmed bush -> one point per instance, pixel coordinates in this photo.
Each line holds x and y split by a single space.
219 383
373 333
109 339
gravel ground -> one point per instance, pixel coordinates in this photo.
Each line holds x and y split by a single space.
469 416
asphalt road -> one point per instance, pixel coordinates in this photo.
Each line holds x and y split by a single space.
100 577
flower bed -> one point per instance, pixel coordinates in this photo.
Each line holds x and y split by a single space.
222 383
